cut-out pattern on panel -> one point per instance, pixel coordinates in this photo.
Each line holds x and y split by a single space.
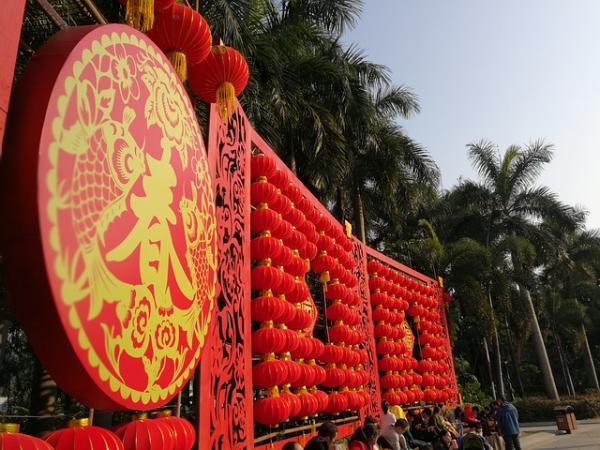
226 384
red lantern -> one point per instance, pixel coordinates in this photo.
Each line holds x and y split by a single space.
337 403
263 247
304 348
385 347
266 277
183 431
293 402
11 439
264 219
317 348
280 179
334 377
269 373
81 436
309 404
337 311
268 307
380 314
272 409
332 354
220 78
320 374
301 320
262 166
146 434
268 340
140 14
339 333
183 35
429 395
322 398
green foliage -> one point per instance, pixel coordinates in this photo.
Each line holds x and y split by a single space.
539 409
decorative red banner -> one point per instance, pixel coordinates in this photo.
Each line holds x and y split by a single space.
111 248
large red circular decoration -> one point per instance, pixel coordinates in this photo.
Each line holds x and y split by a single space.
111 239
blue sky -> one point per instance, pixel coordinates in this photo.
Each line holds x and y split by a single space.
510 71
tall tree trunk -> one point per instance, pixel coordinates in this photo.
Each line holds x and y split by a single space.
513 358
562 364
486 349
43 399
497 353
359 211
540 348
589 361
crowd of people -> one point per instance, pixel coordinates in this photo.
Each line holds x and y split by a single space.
496 427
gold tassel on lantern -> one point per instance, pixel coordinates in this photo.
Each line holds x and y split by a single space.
139 14
179 62
226 99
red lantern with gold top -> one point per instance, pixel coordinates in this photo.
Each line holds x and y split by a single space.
337 403
183 431
270 372
266 277
272 409
268 340
310 404
220 78
146 434
11 439
268 307
81 436
294 404
140 14
184 36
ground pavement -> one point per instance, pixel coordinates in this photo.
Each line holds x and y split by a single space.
543 436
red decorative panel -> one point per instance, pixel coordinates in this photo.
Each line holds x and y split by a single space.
225 407
364 309
111 218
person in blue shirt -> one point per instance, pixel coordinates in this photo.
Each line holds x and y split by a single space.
507 418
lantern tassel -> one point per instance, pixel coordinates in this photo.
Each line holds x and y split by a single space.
179 62
139 14
226 99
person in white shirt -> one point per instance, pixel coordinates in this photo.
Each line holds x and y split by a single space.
394 435
388 419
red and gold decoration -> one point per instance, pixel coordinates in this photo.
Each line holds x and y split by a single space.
11 439
113 223
220 78
80 435
140 14
184 36
138 252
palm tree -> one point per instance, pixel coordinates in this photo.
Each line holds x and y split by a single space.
571 273
510 206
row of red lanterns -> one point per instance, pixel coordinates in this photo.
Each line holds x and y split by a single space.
285 225
422 305
391 275
164 433
390 291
